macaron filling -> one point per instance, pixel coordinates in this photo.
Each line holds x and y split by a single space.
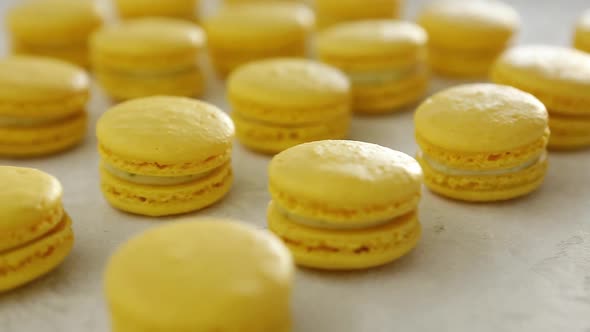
451 171
151 180
383 76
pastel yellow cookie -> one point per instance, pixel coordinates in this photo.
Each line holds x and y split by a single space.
200 275
238 34
331 12
280 103
164 155
42 106
465 37
582 35
384 59
482 142
181 9
344 204
54 28
149 56
560 78
35 232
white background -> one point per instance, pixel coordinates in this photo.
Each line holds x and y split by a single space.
522 265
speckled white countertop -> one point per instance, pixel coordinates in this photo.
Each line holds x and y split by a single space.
517 266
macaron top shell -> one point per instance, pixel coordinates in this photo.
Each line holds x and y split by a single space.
292 82
166 130
48 22
30 204
341 174
244 23
202 275
467 24
152 36
372 38
481 118
564 71
30 79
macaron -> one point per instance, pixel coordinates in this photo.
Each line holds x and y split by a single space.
200 275
582 35
164 155
242 33
466 37
385 61
54 28
180 9
42 106
560 78
343 205
279 103
149 56
35 233
330 12
482 142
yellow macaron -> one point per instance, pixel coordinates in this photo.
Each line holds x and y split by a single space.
384 59
482 142
42 106
238 34
582 35
330 12
164 155
280 103
54 28
344 204
149 56
560 78
181 9
35 232
201 275
465 37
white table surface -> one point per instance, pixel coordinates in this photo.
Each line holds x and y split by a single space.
522 265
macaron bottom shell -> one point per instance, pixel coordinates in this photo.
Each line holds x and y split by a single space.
462 63
389 96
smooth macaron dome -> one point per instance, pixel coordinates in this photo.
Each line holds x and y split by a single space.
384 59
582 34
165 155
466 37
279 103
181 9
241 33
344 204
149 56
55 28
560 78
35 232
331 12
42 105
236 277
482 142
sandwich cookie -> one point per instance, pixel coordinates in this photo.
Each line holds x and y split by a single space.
582 36
201 275
180 9
466 37
35 232
242 33
54 28
482 142
341 205
280 103
331 12
384 59
560 78
42 106
164 155
149 56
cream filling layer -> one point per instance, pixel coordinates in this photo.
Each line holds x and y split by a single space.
155 180
323 224
382 76
446 170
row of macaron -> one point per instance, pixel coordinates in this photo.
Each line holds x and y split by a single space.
336 204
